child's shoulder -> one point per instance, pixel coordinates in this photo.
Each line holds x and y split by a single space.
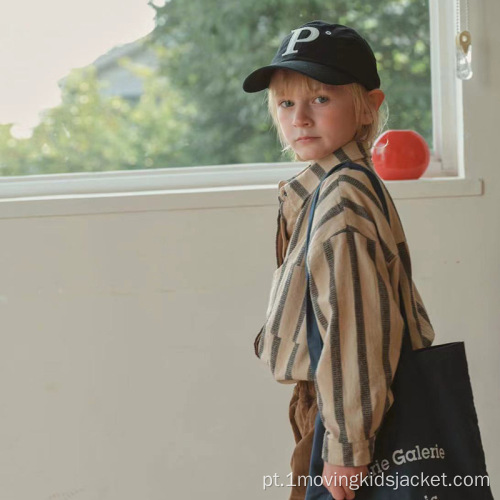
349 190
350 182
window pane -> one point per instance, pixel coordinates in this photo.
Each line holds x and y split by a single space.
173 98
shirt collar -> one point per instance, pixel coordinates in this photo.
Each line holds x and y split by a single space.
298 188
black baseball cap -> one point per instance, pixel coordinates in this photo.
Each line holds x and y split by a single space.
330 53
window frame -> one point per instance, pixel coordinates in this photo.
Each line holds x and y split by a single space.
447 162
447 96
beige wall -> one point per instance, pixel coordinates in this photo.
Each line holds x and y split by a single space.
126 368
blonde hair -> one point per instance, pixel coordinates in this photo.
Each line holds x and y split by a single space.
282 80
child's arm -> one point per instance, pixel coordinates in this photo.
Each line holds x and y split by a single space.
358 316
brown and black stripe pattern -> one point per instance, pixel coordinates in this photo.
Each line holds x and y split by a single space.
357 261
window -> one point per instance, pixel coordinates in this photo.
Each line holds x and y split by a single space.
172 98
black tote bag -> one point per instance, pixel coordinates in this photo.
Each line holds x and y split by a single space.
431 428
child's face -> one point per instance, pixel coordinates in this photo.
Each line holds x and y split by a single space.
315 122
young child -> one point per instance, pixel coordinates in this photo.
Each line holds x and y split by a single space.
324 97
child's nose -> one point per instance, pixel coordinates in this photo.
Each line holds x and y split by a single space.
301 117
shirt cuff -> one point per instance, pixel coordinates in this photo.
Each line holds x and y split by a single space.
347 454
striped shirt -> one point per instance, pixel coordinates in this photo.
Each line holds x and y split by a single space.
356 260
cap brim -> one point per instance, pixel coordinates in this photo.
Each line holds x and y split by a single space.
260 78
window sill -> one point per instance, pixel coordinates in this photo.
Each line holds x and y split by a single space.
181 189
205 198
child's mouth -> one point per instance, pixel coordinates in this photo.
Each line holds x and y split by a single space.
305 139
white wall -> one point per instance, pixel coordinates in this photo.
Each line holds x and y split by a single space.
127 369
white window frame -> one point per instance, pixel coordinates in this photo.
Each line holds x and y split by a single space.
445 176
447 97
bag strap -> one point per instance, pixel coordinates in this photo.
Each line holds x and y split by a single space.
314 340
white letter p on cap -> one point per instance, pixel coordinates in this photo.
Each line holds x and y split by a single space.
313 34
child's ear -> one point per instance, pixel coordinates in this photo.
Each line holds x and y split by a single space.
376 98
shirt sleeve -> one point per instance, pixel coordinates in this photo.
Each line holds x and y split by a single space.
355 299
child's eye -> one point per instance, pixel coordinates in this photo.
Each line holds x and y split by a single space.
321 99
286 104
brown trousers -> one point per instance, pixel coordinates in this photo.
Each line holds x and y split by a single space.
302 411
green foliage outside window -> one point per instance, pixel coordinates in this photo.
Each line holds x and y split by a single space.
193 110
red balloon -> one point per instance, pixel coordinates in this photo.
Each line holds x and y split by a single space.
400 154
